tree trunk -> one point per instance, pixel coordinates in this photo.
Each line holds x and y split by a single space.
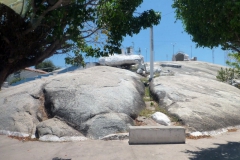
4 73
11 68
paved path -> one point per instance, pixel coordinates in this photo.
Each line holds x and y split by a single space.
226 146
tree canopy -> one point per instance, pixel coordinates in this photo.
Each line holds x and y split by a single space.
94 27
46 66
211 22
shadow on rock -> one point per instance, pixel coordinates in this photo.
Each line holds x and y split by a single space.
231 150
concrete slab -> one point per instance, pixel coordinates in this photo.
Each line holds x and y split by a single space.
225 146
156 135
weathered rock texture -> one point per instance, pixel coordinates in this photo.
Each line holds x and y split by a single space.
21 108
56 127
120 59
196 97
94 102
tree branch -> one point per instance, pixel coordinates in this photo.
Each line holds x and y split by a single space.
55 6
45 54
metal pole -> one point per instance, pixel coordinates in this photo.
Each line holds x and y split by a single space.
213 55
173 51
146 55
133 47
151 55
191 52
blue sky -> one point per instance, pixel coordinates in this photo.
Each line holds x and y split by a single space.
167 33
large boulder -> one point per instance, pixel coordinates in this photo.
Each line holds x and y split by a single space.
120 60
94 102
195 96
21 108
193 68
55 126
81 96
103 124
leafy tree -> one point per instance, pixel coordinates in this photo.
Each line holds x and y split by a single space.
47 66
93 27
211 22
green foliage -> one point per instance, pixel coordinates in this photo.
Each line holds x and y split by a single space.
228 74
91 27
46 66
15 80
146 112
225 75
147 92
156 75
144 80
211 22
76 60
235 61
151 103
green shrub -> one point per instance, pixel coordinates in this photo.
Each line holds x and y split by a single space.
227 74
15 80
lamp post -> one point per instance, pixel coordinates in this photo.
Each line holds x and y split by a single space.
191 52
146 54
173 50
133 47
151 52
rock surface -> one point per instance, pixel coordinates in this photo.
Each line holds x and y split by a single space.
118 136
94 102
120 59
195 96
56 127
103 124
161 118
21 108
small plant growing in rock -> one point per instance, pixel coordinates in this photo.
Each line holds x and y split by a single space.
156 75
225 75
228 75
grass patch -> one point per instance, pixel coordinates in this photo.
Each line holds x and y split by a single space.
156 75
146 99
156 108
144 80
197 137
146 113
24 138
133 68
147 92
232 130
